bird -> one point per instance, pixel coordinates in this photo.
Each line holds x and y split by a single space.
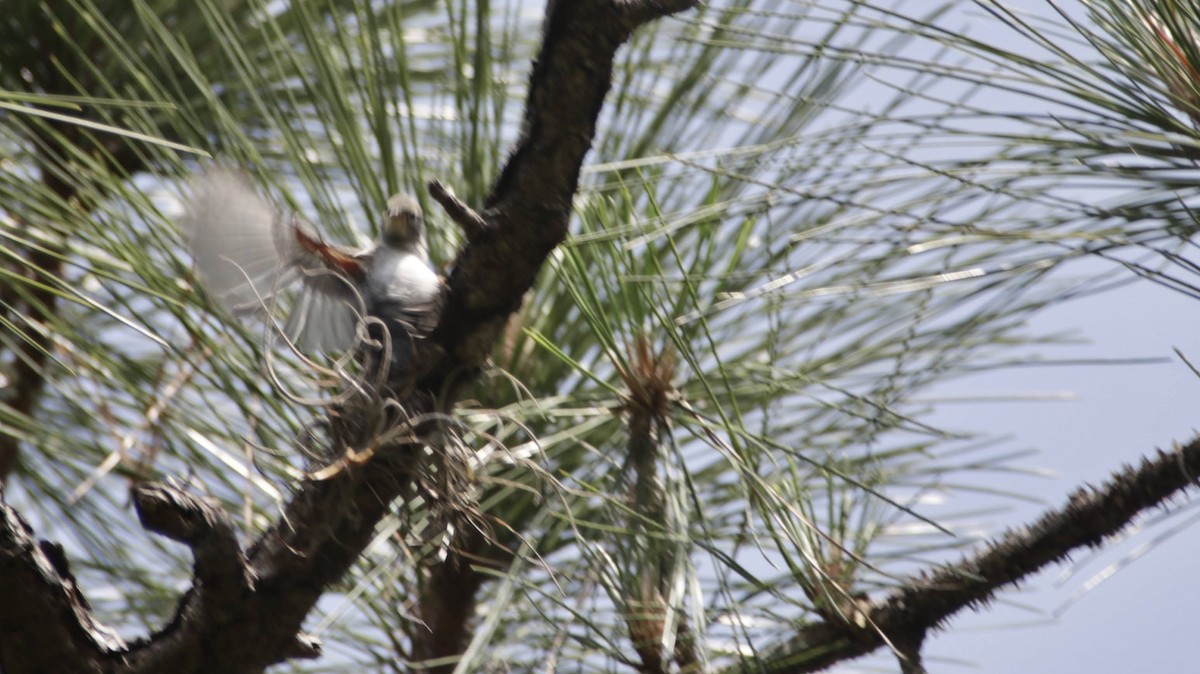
248 252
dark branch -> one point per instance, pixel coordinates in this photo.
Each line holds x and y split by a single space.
1090 516
530 205
256 623
202 525
45 623
463 215
908 652
446 606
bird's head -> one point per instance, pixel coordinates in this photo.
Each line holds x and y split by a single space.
403 224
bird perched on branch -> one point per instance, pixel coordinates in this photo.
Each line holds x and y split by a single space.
247 252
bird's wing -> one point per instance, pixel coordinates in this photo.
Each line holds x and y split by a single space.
325 313
247 252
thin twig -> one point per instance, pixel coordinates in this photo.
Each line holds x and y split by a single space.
471 222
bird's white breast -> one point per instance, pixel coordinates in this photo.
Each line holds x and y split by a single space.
402 276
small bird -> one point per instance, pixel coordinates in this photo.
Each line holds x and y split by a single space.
247 252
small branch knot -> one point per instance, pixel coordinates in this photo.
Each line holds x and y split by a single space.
201 524
178 515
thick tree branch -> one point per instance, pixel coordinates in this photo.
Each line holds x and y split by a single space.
447 607
530 205
205 528
524 218
45 623
221 576
1089 517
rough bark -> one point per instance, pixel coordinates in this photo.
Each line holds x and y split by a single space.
527 213
44 619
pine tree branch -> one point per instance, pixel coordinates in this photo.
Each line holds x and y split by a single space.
529 208
1090 516
45 622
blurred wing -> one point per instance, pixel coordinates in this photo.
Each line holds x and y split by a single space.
247 252
418 319
232 234
325 314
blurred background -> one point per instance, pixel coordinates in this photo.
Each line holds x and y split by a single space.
902 274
